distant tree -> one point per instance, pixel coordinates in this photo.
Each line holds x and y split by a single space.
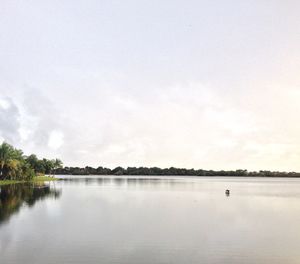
57 164
118 171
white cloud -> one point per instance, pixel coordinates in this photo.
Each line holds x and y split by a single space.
56 139
4 104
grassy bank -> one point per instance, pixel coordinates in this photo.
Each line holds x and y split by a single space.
35 179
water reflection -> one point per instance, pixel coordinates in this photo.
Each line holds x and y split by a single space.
15 196
272 187
151 220
126 181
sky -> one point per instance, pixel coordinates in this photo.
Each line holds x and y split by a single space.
195 84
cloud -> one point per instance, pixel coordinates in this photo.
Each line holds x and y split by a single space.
56 139
9 120
220 93
31 121
166 126
189 124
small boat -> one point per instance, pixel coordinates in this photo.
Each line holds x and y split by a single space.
227 192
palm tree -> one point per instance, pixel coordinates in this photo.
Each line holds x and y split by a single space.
57 163
13 167
10 161
6 154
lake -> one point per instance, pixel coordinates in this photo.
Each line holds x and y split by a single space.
139 220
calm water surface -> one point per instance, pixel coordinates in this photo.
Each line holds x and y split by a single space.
151 220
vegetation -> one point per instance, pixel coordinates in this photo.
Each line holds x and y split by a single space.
43 179
14 166
36 179
169 171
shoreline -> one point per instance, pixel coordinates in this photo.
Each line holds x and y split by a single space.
34 180
51 178
157 175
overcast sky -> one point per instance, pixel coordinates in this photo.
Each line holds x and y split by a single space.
203 84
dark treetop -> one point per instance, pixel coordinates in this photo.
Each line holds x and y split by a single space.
168 171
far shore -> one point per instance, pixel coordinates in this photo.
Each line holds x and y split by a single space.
197 176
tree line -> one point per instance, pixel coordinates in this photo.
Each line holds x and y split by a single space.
14 165
169 171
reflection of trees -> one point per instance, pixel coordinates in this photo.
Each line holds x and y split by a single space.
131 182
14 196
